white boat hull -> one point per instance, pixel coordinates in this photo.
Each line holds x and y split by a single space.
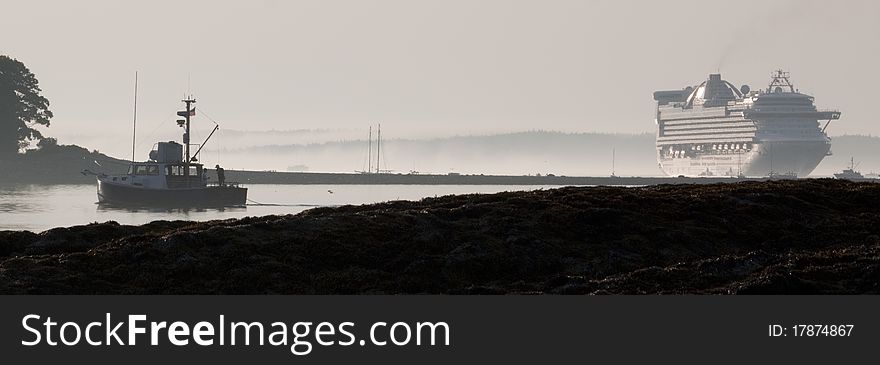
781 157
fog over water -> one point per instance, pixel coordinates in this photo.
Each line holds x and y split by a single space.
523 153
441 67
324 71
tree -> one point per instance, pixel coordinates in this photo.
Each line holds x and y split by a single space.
21 106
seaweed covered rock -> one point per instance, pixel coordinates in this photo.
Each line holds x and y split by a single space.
806 236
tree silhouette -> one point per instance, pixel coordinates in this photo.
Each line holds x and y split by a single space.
21 106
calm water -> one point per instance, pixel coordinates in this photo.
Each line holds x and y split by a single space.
40 207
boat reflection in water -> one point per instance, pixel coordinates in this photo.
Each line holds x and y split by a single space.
177 212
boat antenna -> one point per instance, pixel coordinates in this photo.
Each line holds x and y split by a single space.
135 122
779 80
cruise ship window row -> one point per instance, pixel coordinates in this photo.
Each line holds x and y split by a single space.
682 126
702 121
790 133
744 128
708 138
787 121
692 150
667 144
712 147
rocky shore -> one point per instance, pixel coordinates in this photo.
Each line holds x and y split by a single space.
779 237
57 164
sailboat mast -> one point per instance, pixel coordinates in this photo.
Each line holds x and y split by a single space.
369 150
613 158
135 122
378 146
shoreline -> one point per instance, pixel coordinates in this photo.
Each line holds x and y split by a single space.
62 165
779 237
246 177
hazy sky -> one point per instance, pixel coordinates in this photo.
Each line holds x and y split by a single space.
450 65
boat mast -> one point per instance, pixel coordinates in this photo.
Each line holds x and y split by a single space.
613 157
135 123
187 114
369 151
378 146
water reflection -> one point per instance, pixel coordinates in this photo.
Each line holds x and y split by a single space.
10 207
164 210
41 207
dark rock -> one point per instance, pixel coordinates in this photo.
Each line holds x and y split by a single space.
779 237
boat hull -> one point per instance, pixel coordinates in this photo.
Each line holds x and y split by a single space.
798 157
212 196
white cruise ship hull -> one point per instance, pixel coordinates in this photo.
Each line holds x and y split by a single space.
780 157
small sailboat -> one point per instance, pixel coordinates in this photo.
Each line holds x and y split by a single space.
170 178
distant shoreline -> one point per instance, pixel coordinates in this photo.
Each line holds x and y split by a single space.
63 164
269 177
246 177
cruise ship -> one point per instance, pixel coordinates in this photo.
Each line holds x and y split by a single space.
717 129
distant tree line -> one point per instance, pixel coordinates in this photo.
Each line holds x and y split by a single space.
22 107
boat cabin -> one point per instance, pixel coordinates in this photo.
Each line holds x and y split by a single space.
165 170
167 176
185 176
